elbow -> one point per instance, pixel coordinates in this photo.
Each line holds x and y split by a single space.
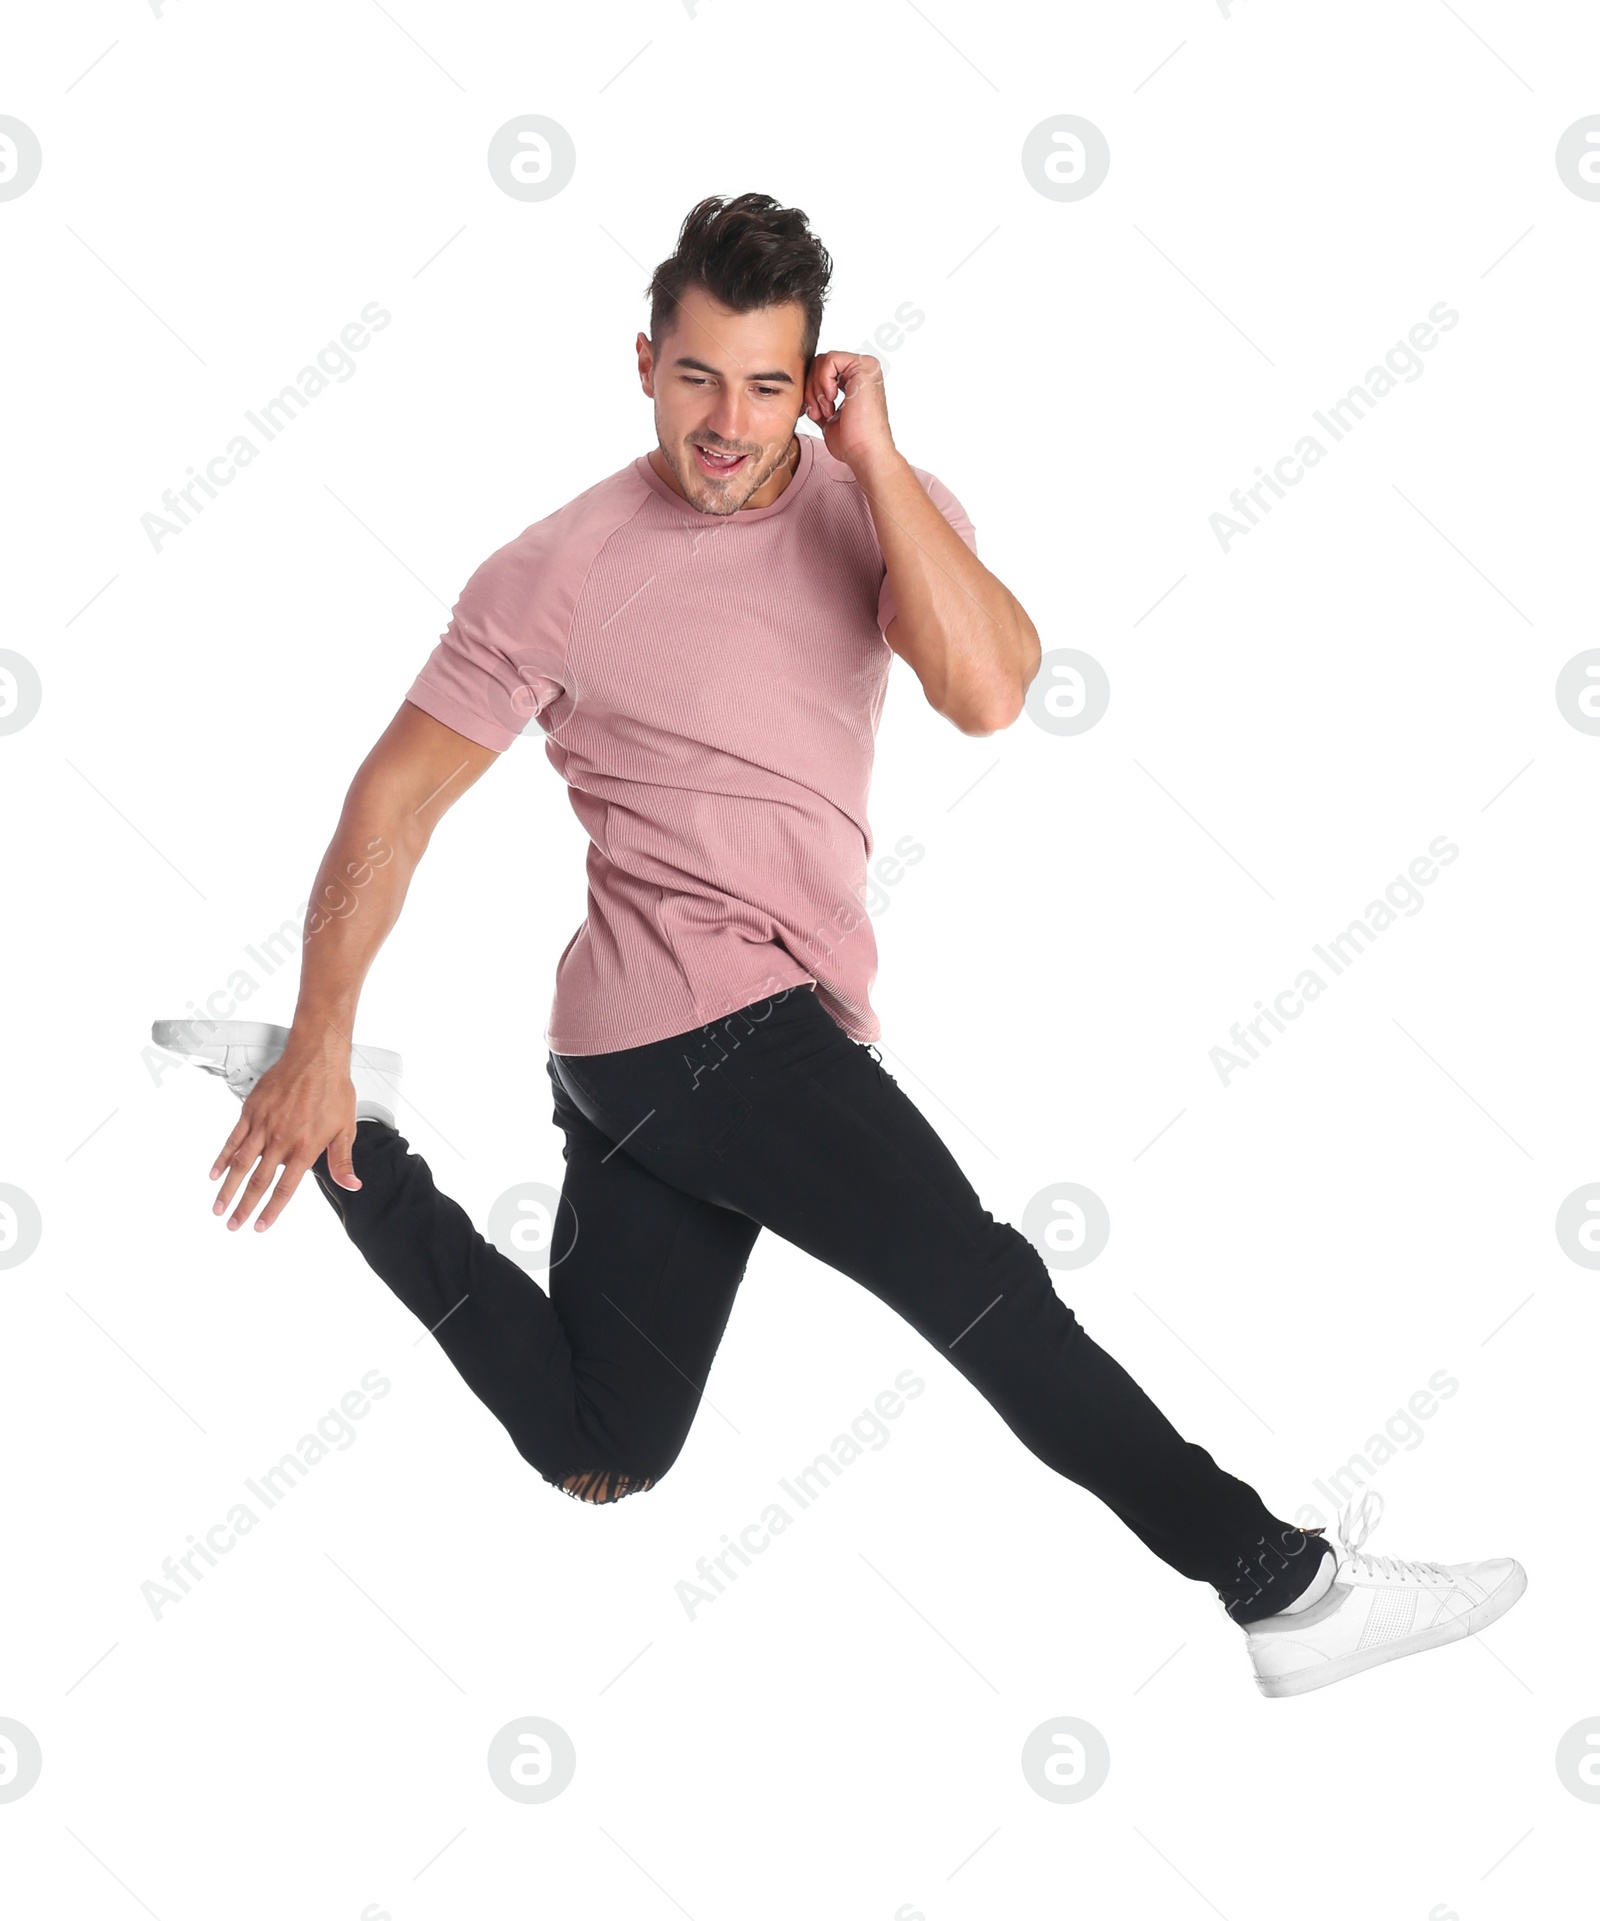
1003 702
377 817
992 715
993 696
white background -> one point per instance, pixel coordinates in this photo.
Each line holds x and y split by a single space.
1293 1257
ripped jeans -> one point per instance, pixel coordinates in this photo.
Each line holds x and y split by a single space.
677 1154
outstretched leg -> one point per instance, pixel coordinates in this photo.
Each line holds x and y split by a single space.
777 1113
598 1380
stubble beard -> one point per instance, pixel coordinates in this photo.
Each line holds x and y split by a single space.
719 503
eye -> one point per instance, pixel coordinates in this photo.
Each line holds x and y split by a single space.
698 380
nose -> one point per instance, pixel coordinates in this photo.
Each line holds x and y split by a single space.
727 423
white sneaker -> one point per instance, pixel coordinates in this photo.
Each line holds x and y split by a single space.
1377 1609
242 1051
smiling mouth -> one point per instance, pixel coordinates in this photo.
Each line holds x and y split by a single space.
715 463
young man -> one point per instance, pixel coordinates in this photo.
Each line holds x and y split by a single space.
705 638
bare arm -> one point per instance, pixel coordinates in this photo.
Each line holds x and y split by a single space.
416 771
963 631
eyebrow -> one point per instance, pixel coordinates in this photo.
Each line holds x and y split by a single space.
685 360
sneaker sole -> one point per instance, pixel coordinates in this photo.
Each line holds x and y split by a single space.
178 1037
1488 1610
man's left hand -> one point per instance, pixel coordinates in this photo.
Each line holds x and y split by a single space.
845 395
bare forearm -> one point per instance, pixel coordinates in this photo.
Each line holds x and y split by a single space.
961 629
360 889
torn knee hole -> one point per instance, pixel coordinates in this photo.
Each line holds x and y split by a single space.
605 1484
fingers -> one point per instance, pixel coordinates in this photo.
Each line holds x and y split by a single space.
833 373
822 388
293 1173
339 1165
236 1161
257 1185
246 1147
266 1157
239 1152
234 1140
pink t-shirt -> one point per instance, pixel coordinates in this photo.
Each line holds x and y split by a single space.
710 688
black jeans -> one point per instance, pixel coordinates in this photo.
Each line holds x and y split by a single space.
677 1154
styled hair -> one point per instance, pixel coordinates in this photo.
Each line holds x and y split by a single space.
747 253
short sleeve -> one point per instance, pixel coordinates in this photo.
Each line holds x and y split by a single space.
954 512
502 659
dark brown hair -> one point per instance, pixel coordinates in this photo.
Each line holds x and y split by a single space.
747 253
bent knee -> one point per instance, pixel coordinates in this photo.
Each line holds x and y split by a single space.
606 1484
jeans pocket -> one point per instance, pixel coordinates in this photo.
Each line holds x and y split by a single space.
572 1094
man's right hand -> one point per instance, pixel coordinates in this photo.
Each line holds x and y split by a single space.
304 1103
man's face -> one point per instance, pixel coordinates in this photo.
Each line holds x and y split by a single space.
732 383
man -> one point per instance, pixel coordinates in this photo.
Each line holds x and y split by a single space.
705 637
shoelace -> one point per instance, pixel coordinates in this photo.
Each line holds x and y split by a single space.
234 1068
1357 1519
